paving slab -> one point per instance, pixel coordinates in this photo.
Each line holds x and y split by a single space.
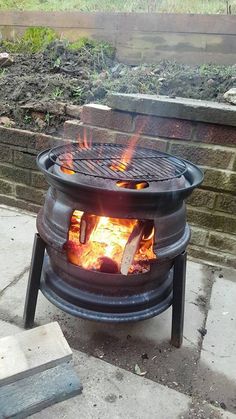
216 380
17 233
8 329
145 344
110 392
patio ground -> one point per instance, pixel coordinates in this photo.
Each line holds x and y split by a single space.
196 381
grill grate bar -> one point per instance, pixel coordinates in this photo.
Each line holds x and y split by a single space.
102 159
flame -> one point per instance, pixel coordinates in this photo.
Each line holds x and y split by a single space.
104 248
68 162
127 156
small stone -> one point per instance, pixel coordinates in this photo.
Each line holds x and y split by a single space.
5 60
6 122
230 96
144 356
202 331
223 405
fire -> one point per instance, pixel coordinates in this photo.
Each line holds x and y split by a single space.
99 243
127 156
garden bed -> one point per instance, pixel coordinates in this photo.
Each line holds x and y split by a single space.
37 87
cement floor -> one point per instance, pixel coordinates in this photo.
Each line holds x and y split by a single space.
196 381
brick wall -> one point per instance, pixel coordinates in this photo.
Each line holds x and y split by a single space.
21 184
212 207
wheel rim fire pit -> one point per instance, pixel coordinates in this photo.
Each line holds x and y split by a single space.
115 232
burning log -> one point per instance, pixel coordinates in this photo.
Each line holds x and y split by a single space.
87 224
132 246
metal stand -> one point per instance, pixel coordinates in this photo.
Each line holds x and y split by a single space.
178 300
34 281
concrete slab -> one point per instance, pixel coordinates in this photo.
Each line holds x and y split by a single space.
8 329
110 392
145 343
17 233
217 368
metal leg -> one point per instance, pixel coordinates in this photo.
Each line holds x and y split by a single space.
34 281
178 300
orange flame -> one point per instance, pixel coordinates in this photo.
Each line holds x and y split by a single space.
127 156
104 248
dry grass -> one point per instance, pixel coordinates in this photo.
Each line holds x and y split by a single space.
169 6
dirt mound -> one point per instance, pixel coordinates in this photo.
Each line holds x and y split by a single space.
76 76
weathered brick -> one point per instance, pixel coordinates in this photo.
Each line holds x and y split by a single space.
25 159
163 127
5 154
220 180
43 141
6 187
222 242
15 173
207 254
38 180
202 198
103 116
74 111
213 221
226 203
80 132
216 134
151 143
198 235
17 137
19 203
205 156
30 194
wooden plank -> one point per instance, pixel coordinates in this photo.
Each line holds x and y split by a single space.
183 108
177 42
145 22
32 351
30 395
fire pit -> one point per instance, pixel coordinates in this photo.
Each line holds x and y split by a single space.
115 232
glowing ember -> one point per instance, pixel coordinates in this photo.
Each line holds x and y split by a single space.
103 243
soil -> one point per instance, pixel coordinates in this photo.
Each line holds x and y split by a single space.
60 75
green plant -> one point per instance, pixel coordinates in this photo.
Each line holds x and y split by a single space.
48 118
2 72
34 40
57 93
27 118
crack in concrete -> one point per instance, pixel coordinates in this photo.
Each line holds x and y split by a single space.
15 280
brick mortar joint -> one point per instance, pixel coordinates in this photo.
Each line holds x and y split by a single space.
211 212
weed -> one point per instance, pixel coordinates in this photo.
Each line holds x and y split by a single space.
27 119
48 118
2 72
34 40
57 93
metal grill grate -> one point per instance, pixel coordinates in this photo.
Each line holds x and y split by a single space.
105 161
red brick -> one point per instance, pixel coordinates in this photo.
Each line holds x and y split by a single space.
103 116
164 127
38 180
216 134
205 156
151 143
79 132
